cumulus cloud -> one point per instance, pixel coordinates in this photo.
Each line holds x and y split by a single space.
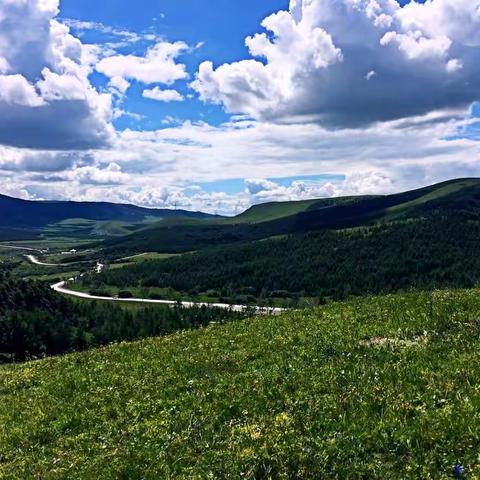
263 190
93 175
158 168
163 95
157 66
15 90
43 79
313 62
15 160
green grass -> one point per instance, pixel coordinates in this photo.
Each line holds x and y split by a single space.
271 211
441 191
52 277
82 228
172 294
142 257
383 387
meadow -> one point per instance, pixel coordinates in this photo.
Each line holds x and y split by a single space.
380 387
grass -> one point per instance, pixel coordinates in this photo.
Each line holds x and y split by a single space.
82 228
56 243
141 257
271 211
441 191
383 387
175 295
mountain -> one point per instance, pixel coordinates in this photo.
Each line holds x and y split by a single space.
363 209
285 218
265 212
18 217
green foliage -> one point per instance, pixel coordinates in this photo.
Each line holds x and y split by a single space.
424 254
380 388
35 321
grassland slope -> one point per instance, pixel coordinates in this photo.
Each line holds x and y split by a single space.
383 387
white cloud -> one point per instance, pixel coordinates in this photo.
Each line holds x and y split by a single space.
93 175
417 47
312 65
157 66
16 90
126 36
163 95
44 79
119 85
255 186
157 168
454 65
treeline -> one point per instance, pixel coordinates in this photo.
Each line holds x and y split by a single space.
424 254
36 322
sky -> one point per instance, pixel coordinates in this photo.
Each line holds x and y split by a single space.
220 104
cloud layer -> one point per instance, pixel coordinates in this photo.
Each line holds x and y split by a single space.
43 80
349 63
378 93
169 167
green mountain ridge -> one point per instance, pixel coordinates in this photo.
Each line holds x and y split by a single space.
273 219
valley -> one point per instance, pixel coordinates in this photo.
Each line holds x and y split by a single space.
240 240
279 337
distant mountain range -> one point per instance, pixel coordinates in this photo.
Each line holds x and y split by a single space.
19 213
133 228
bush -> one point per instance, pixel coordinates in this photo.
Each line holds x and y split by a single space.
99 293
155 296
125 294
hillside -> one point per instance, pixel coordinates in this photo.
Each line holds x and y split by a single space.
374 388
423 254
28 215
265 212
270 220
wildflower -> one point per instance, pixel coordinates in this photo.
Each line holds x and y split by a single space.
282 419
458 470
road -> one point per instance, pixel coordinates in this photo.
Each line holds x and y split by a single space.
60 288
13 247
36 261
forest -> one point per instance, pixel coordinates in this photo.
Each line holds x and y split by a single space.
36 322
441 251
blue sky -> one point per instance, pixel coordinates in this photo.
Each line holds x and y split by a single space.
222 28
222 104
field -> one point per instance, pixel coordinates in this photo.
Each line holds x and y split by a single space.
140 258
382 387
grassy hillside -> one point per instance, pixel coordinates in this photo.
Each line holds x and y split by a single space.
271 211
441 251
381 388
269 220
265 212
